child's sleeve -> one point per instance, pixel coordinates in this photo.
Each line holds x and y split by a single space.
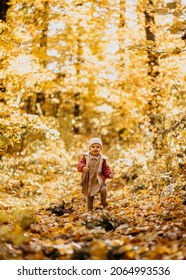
81 164
107 170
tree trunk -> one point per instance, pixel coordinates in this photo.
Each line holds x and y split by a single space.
150 36
41 19
121 35
39 43
3 9
122 13
43 41
121 61
153 72
76 110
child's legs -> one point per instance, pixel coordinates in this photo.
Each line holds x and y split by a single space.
90 200
103 192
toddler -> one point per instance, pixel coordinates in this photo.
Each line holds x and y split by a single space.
95 171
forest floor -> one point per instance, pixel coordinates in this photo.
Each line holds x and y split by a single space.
43 215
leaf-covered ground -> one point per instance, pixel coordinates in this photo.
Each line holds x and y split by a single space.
43 214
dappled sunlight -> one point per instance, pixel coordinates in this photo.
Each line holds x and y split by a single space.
73 70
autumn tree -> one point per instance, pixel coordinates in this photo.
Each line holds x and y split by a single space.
91 66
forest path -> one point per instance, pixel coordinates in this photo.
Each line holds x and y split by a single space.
49 220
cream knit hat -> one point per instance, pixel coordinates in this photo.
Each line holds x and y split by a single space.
95 141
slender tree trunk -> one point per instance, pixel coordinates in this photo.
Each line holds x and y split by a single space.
76 110
121 62
122 13
121 35
39 43
41 19
150 36
3 9
153 72
44 37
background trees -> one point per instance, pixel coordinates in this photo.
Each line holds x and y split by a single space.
70 70
111 68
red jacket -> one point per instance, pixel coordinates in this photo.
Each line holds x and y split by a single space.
105 172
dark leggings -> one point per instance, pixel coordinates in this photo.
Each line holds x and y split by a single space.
103 194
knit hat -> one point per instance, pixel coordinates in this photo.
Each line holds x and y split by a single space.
95 141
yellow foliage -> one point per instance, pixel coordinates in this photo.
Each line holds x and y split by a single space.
67 228
4 217
74 71
98 250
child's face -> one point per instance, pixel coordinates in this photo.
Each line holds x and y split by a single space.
95 149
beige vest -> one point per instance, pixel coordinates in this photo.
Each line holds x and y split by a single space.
91 183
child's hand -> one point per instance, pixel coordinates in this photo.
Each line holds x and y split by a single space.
85 169
111 176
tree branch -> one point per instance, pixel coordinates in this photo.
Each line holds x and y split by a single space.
175 51
173 127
